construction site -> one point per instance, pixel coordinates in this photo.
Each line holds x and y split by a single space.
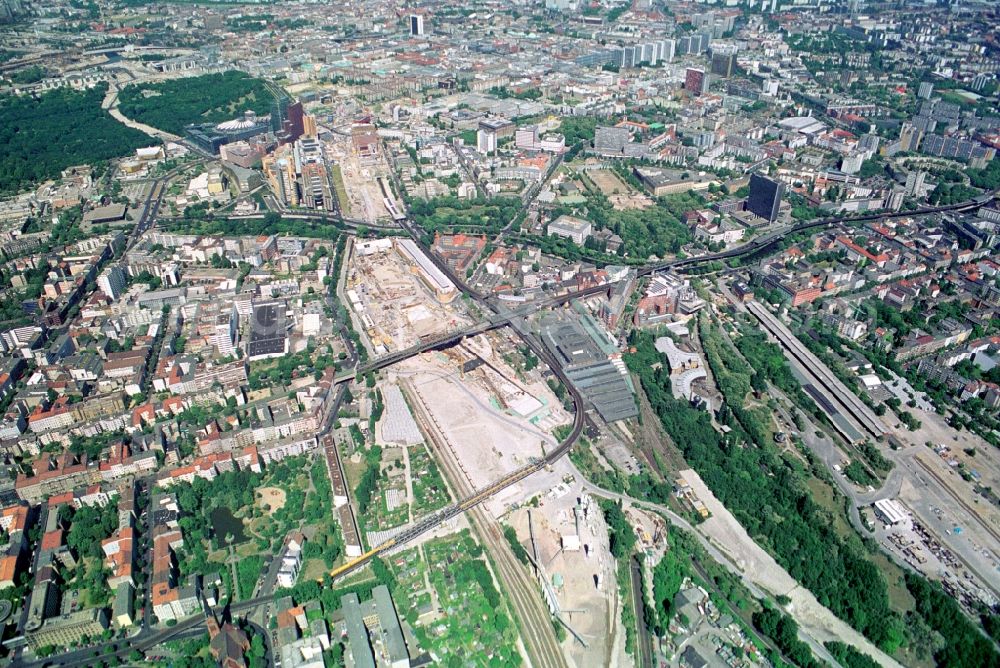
491 420
482 419
398 296
566 540
359 174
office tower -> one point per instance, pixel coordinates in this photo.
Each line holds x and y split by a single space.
416 25
280 175
925 90
287 119
527 138
295 121
279 112
112 282
486 141
765 197
723 61
309 126
695 81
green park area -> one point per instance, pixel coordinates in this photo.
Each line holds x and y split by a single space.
196 653
470 625
386 502
206 222
429 491
450 214
87 135
657 230
381 489
210 98
794 513
240 516
88 526
444 591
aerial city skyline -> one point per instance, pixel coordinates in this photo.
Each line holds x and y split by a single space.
551 333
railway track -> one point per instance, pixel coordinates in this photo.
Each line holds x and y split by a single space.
539 640
642 639
512 318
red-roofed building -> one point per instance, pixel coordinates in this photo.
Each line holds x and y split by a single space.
856 253
55 475
52 540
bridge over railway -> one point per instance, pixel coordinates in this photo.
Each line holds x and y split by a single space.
513 318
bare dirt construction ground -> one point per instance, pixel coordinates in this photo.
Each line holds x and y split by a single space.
965 447
730 537
945 503
630 201
486 441
271 498
571 576
395 308
485 445
608 182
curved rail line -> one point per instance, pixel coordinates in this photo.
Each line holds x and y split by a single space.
481 495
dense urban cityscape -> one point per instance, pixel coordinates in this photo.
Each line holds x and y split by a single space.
495 333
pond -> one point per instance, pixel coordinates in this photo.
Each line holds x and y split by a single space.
224 523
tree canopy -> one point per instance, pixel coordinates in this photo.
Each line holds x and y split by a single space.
767 495
61 128
210 98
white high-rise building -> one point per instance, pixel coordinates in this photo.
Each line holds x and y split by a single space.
526 137
486 141
915 183
851 163
112 282
226 333
416 25
667 48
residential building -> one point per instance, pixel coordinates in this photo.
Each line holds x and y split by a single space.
696 81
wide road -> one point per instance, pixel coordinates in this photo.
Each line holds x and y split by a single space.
144 641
